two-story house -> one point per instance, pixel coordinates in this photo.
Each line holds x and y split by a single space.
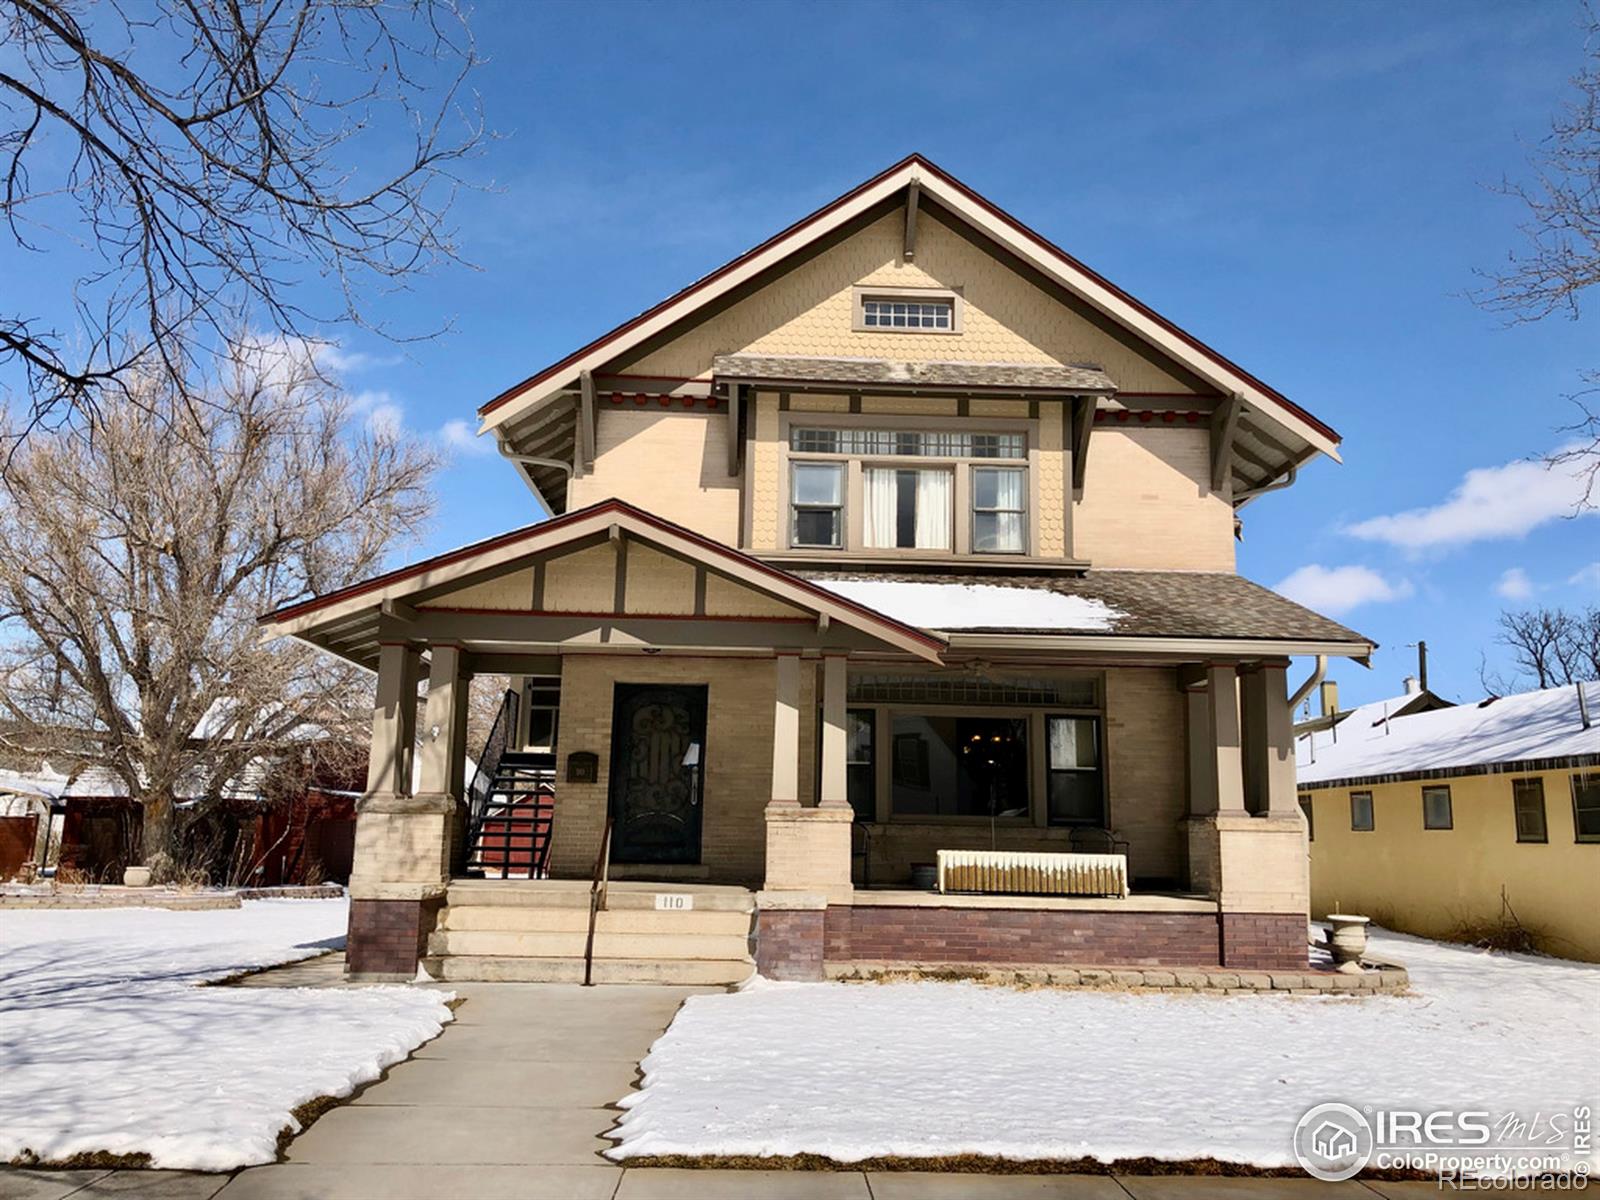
902 533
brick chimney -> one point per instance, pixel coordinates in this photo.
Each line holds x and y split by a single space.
1328 694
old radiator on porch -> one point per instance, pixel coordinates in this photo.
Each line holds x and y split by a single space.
1020 873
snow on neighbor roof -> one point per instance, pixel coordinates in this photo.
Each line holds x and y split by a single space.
1511 729
948 606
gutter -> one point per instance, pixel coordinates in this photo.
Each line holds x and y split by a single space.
529 460
1304 690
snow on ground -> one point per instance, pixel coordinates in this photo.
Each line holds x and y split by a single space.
853 1071
106 1044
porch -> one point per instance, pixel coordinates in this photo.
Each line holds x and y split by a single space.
707 719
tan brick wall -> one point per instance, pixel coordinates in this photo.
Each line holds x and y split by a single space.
1147 502
582 582
1147 769
658 583
738 757
671 463
511 591
809 311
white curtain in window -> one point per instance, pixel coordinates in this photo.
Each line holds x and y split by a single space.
879 516
1008 489
933 510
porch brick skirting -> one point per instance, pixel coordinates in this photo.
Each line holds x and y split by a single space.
787 941
388 937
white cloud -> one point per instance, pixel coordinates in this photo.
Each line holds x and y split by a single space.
1489 502
462 438
1589 575
1514 584
384 414
1336 590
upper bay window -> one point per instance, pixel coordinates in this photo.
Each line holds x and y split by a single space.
857 488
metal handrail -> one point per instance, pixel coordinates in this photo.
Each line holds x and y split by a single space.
597 900
494 748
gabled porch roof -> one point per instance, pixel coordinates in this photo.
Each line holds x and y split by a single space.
434 600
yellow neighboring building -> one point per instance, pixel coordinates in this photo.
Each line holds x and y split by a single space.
1433 822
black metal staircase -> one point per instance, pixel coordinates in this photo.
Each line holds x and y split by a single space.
513 805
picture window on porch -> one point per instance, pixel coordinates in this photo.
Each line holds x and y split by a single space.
861 763
817 497
1527 799
1361 812
1076 788
907 509
1586 807
953 766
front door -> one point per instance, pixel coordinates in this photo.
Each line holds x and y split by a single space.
658 736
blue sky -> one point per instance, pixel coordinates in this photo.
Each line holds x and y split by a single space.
1307 188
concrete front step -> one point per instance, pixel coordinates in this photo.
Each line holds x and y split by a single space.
528 919
663 946
690 973
571 893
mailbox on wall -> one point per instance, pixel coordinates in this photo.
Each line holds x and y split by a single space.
583 767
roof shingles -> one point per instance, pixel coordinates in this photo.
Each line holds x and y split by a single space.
865 372
1177 604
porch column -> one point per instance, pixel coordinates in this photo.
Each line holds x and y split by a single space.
444 726
834 789
1226 736
401 867
394 718
786 733
1269 742
1202 771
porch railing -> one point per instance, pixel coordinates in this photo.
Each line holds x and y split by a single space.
597 900
494 748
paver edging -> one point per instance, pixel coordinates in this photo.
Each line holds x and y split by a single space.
1379 978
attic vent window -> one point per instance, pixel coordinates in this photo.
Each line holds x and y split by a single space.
904 314
906 310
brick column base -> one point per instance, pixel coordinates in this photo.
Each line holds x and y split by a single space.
1264 941
789 943
388 937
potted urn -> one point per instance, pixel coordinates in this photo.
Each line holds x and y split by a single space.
1347 937
136 877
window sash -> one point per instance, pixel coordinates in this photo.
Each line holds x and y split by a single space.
1363 817
1076 775
992 533
801 471
882 312
1586 807
907 443
1433 816
1527 803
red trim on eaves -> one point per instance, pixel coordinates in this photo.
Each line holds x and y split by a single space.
292 611
994 210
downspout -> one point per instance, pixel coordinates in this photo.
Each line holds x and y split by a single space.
533 461
1304 690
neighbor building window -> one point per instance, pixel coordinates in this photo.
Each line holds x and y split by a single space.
934 314
905 508
954 766
817 499
861 763
998 510
1436 808
1072 771
1586 806
1361 811
1527 798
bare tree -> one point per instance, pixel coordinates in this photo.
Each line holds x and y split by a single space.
214 157
1560 260
137 553
1551 647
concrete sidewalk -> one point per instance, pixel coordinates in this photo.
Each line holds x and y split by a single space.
512 1100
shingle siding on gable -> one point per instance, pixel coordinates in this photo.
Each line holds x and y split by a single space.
1005 318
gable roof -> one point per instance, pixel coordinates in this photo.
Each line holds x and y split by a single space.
354 610
953 195
1500 733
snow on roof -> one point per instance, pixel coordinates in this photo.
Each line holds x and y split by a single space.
952 606
1533 725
